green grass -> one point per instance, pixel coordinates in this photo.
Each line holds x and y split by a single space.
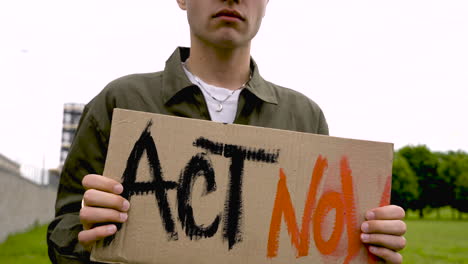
429 241
442 241
441 237
27 247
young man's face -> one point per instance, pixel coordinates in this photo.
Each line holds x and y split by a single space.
224 23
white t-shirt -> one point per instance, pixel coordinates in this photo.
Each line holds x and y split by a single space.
228 114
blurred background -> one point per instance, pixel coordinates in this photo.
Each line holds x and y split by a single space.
393 71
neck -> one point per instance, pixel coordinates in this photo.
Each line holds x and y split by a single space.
222 67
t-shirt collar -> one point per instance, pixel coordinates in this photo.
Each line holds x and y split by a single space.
175 79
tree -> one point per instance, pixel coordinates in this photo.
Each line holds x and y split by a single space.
424 163
405 189
461 193
452 168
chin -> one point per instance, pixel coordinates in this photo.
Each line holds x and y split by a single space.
225 40
227 44
230 42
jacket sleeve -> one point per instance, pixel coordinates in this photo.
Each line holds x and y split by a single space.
322 125
87 156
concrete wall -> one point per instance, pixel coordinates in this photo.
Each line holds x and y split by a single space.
8 165
22 203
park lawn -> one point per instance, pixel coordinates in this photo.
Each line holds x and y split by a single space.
439 238
27 247
429 241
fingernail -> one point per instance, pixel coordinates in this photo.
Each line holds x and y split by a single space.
118 188
365 237
123 217
111 229
370 215
373 249
125 205
365 227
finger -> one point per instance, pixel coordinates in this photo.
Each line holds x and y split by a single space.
389 227
93 215
390 256
389 212
88 237
396 243
107 200
98 182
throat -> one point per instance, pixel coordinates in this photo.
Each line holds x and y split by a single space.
227 75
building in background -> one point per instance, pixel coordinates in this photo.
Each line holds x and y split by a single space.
54 177
26 198
35 175
9 166
71 117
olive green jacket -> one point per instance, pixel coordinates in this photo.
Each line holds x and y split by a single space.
168 92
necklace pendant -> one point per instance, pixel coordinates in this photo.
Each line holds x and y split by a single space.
220 108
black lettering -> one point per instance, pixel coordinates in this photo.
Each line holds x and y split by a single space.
232 229
198 166
233 206
157 186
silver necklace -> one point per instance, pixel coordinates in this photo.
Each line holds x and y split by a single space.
219 107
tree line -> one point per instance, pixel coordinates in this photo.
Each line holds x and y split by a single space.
423 179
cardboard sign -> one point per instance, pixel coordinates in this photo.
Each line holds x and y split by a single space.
206 192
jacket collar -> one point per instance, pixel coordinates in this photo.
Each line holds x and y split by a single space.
175 79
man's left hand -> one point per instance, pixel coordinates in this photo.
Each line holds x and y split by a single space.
383 231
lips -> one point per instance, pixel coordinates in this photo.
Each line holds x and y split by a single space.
229 13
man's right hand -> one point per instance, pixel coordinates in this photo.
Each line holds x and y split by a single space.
101 204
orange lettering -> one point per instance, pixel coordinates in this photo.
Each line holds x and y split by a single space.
283 206
329 200
354 241
343 203
385 200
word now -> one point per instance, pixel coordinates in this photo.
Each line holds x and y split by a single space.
313 216
198 166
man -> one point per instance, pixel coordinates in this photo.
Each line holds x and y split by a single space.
216 79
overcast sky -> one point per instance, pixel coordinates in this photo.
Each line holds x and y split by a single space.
393 71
